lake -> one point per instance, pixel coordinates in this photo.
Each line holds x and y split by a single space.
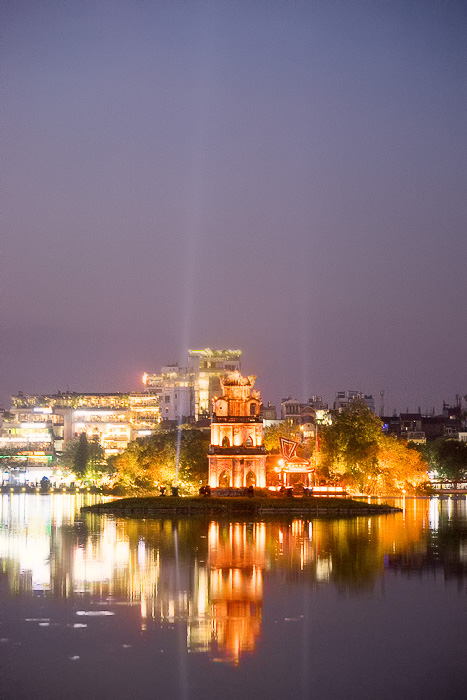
194 609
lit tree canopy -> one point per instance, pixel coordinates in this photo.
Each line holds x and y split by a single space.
399 466
272 435
447 458
83 457
355 451
150 463
350 444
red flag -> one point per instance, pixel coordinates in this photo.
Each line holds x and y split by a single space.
288 447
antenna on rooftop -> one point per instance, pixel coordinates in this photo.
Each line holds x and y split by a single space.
381 409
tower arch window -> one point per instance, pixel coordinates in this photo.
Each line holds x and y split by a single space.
252 409
250 479
225 441
224 480
249 441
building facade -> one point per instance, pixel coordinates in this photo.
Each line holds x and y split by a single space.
207 368
186 393
345 398
237 456
174 387
39 426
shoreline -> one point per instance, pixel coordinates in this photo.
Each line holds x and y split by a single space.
159 506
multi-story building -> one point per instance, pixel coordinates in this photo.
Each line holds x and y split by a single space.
306 415
290 410
345 398
47 422
208 367
186 393
175 389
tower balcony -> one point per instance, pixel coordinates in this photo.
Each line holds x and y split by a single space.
236 419
236 450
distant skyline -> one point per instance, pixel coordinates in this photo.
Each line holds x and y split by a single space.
285 177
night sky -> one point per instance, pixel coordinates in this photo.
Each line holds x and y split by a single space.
284 177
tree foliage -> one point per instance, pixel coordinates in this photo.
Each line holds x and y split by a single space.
272 435
400 467
356 452
84 458
150 463
446 458
350 445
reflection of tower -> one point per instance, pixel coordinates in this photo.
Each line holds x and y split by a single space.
237 456
236 563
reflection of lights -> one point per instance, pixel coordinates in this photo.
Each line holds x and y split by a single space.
220 592
323 569
297 527
433 514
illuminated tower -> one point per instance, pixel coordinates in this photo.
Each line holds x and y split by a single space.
237 456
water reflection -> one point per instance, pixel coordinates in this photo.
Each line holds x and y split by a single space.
213 575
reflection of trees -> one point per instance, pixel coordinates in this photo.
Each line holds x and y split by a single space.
445 546
211 574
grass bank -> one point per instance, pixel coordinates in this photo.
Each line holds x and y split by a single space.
157 506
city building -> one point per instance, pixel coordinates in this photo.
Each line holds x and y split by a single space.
186 393
290 410
268 412
306 415
345 398
237 456
207 368
175 389
39 427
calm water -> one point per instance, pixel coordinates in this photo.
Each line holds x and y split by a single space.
96 607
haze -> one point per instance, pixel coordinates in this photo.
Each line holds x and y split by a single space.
288 178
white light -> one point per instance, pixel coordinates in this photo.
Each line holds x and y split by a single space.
99 412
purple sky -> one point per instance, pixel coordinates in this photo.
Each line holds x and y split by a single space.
285 177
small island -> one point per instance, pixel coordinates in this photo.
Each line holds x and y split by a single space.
256 506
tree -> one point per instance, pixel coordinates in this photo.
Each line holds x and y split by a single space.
446 458
400 466
81 456
151 462
350 445
272 435
356 451
84 458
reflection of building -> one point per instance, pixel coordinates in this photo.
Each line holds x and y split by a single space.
236 565
237 456
211 576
